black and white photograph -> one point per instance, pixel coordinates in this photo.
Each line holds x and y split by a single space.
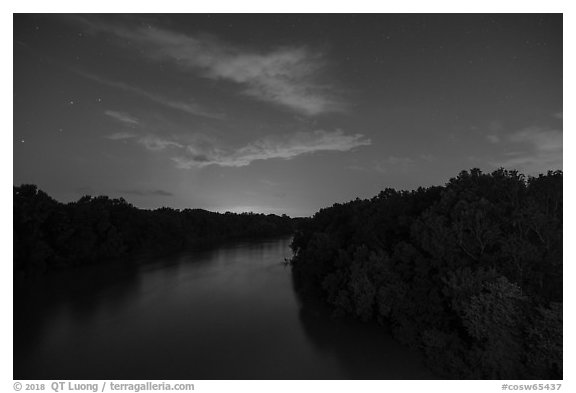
287 196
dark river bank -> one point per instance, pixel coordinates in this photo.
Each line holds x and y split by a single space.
225 313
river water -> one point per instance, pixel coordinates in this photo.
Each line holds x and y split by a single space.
225 313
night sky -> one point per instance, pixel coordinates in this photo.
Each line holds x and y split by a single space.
280 113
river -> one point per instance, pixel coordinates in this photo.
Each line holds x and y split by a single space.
225 313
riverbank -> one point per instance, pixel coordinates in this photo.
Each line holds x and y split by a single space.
49 235
469 273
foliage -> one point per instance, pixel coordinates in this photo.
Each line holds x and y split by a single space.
50 235
470 273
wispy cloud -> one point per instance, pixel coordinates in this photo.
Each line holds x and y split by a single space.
535 150
285 147
201 152
122 135
122 117
188 107
155 143
287 76
557 115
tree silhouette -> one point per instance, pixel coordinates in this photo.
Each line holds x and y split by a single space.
50 235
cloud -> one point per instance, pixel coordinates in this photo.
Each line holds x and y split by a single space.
122 135
542 139
536 150
272 147
145 192
558 115
154 143
284 76
122 117
199 151
149 141
187 107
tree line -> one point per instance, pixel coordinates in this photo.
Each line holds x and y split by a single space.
50 235
470 272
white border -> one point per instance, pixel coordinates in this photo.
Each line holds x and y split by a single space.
243 6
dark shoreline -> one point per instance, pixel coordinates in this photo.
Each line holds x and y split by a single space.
49 235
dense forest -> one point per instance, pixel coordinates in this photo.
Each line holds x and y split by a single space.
470 273
50 235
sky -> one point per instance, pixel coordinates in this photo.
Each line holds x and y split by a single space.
280 113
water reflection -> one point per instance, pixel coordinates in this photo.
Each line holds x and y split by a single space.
364 350
225 313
